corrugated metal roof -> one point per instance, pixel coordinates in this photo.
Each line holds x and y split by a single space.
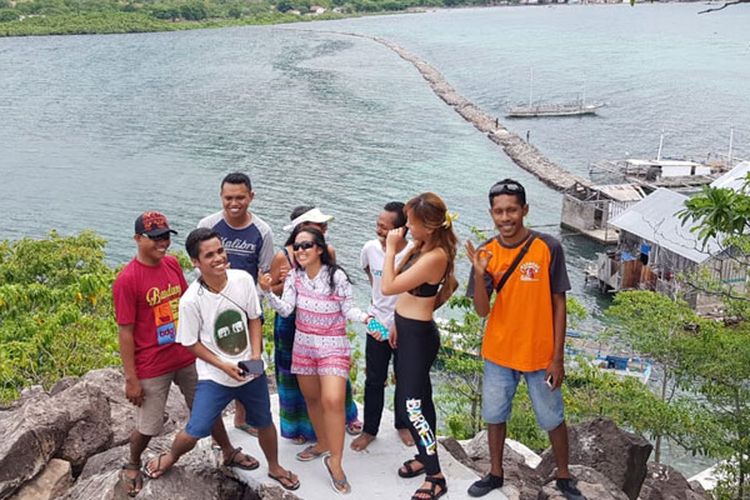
735 178
653 219
621 192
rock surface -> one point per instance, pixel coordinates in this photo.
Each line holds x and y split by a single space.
665 483
619 455
593 485
52 483
517 473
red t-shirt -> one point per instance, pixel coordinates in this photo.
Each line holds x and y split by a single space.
148 298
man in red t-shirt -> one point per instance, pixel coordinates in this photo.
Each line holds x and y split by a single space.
146 296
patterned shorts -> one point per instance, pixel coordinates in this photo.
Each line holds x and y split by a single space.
321 354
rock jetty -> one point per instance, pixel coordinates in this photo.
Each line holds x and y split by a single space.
521 152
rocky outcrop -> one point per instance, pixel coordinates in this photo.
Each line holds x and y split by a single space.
82 421
593 485
31 435
52 483
665 483
619 455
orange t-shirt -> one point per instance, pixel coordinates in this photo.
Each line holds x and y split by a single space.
519 332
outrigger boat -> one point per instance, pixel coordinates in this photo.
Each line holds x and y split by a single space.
531 110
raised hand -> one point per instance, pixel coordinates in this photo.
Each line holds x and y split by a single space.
395 236
479 257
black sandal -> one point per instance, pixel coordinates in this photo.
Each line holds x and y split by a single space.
435 482
410 471
134 484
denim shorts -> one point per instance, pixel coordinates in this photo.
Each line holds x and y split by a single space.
499 387
211 398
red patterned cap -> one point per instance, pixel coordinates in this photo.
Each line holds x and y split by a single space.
152 224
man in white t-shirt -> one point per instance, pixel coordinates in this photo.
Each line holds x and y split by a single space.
220 324
377 350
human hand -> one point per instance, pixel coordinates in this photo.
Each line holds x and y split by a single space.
393 337
265 282
556 370
376 333
134 391
395 236
234 371
479 257
283 272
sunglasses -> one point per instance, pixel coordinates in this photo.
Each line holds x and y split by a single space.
506 188
303 245
161 237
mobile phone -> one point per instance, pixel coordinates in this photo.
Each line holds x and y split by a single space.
252 366
549 381
376 326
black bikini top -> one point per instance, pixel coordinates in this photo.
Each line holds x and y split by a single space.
425 289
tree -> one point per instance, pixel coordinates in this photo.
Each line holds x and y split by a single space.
56 315
652 325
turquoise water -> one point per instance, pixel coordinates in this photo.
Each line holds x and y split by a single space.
96 129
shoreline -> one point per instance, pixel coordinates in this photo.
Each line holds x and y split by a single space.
121 22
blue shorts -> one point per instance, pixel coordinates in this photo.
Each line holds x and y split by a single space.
211 398
499 387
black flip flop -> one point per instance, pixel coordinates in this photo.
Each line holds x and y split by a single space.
135 484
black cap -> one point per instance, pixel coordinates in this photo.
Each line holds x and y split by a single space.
152 224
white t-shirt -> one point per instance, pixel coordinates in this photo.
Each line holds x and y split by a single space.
219 321
373 256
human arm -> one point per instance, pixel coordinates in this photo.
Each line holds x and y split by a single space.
343 289
556 368
479 258
285 304
559 284
266 250
428 268
124 301
253 312
232 369
279 271
133 389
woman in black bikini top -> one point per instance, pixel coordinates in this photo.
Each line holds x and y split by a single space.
423 283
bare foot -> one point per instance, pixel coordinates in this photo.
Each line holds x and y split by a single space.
405 436
157 466
361 442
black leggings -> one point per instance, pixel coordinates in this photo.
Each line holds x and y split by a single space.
418 343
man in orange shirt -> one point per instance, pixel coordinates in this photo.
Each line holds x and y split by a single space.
525 332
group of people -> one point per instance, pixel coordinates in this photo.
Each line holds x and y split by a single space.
206 337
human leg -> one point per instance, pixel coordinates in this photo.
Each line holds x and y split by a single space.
377 358
498 390
254 396
550 415
332 391
294 423
149 421
351 412
418 344
310 387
